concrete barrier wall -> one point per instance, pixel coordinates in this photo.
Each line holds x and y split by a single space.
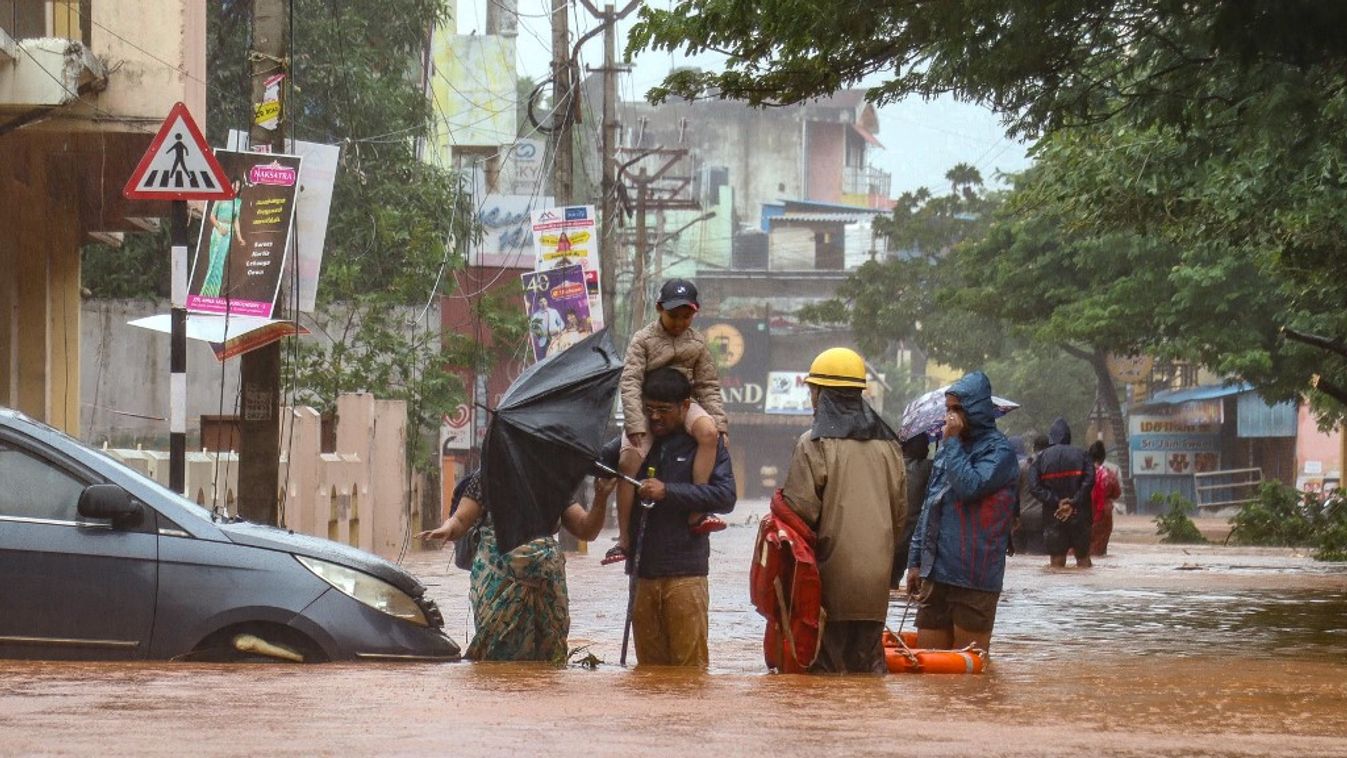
359 495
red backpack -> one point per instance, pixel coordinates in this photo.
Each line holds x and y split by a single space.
785 588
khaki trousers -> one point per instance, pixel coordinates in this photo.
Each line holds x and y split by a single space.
669 621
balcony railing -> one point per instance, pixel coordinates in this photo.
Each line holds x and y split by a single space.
865 180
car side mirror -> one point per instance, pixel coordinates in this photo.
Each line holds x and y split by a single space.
108 501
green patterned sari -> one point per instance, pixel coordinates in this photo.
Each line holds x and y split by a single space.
519 601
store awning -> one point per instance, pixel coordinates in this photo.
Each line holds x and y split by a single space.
1193 394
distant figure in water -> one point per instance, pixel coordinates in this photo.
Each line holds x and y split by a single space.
1062 478
1106 489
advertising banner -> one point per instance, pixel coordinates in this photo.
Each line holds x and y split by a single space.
742 352
566 235
241 254
558 309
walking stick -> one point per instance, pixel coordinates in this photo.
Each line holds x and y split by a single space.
646 506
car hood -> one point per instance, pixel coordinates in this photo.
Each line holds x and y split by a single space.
271 538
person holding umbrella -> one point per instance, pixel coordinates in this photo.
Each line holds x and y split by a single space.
670 606
545 436
520 604
957 561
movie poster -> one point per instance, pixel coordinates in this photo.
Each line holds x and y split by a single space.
558 309
240 257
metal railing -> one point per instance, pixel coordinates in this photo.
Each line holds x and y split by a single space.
865 180
1228 488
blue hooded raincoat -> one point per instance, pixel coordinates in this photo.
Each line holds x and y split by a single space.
964 525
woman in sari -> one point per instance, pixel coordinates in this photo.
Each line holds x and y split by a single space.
224 222
519 599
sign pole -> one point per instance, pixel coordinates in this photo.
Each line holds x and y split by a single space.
177 427
178 166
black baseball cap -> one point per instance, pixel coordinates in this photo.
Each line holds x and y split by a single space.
678 292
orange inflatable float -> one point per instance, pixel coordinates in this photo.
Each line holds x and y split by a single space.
903 657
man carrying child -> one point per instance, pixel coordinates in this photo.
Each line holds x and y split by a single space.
669 341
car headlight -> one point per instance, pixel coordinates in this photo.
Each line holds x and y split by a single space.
376 593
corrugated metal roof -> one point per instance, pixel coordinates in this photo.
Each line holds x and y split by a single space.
842 218
1205 392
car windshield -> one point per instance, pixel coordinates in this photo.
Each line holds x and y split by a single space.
188 505
196 510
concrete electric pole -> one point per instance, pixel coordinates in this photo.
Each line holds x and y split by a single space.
563 97
608 244
260 369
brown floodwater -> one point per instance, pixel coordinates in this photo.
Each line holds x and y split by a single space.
1158 650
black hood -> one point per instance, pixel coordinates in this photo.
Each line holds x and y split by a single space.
1059 433
843 414
271 538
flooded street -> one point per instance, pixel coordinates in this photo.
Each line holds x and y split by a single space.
1159 650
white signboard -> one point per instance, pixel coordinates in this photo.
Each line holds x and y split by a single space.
787 394
456 430
507 240
521 171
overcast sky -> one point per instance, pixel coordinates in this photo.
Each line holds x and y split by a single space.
922 140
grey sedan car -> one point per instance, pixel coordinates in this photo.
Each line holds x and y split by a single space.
98 562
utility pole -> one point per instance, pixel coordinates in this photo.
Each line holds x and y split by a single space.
608 147
608 184
659 191
563 96
260 369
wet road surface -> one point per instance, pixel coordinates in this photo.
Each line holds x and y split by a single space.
1159 650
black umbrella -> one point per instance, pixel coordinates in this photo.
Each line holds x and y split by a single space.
544 437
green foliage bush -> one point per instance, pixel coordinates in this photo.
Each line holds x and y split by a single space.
1284 517
1175 526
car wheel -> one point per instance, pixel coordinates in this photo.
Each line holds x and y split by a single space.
257 642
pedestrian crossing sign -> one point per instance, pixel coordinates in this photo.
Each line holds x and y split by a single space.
179 165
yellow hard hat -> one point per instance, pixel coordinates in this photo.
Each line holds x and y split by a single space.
837 367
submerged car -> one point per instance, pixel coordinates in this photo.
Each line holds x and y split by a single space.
98 562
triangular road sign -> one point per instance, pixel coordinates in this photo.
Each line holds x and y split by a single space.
179 165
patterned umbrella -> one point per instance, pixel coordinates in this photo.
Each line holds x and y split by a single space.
927 414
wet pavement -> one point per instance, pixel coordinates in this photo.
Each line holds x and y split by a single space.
1158 650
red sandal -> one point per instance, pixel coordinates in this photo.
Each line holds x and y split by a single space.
615 554
708 523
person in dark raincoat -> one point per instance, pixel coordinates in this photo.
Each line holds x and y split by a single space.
1061 478
957 561
917 461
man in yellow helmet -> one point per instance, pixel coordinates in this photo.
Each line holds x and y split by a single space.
846 481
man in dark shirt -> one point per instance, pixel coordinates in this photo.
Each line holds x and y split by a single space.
669 616
1061 477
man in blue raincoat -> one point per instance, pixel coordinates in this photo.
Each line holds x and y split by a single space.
958 556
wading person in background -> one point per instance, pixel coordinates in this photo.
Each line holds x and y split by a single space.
670 613
847 482
917 461
958 557
520 605
1027 536
1106 489
1061 478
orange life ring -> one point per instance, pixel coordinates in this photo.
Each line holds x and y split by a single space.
903 658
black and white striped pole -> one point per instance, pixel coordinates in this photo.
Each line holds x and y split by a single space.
178 166
177 357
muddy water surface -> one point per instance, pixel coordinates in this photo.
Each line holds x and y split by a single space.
1159 650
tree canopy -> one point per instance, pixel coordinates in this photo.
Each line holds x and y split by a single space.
1200 144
